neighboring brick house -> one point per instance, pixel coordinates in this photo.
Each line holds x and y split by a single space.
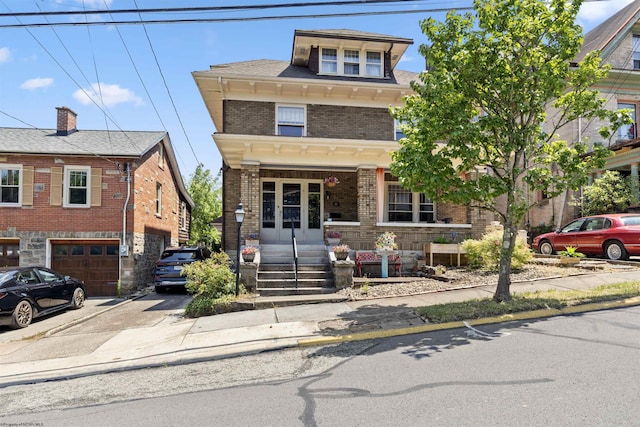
69 195
618 40
283 127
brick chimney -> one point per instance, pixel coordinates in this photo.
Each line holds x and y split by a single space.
66 121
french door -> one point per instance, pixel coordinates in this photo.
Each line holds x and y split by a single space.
291 203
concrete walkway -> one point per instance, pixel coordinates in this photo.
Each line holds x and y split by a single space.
177 340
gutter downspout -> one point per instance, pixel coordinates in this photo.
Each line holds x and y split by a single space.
123 241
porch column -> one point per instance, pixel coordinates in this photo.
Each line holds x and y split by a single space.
634 183
250 196
367 200
379 194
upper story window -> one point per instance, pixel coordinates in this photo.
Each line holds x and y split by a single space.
636 52
10 183
77 182
290 120
398 132
406 206
329 61
351 62
627 132
158 199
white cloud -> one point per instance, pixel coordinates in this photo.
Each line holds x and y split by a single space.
594 12
4 54
37 83
105 94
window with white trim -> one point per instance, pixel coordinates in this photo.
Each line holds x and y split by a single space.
627 132
636 52
158 199
406 206
77 185
290 120
329 61
398 132
10 185
351 62
183 216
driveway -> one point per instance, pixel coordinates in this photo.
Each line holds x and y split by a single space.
81 331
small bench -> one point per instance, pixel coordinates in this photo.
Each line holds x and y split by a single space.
372 258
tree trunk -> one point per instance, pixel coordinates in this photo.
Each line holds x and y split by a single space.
503 291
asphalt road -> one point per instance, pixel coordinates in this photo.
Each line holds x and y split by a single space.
577 370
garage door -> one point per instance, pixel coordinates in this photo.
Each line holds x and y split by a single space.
9 253
96 263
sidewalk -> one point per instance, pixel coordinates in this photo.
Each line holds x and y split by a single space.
179 340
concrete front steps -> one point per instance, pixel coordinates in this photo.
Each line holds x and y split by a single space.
276 273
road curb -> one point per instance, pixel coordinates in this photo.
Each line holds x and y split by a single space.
525 315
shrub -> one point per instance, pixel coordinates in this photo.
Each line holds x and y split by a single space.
485 253
212 277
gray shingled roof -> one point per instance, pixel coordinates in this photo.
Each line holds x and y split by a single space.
81 142
354 35
284 69
602 36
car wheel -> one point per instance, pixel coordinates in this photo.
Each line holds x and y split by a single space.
615 251
22 315
78 298
546 248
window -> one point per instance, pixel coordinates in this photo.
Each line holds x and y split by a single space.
76 186
10 182
329 61
183 216
626 132
406 206
398 132
351 62
290 120
374 64
636 52
158 199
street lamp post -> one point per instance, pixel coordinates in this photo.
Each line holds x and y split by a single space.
239 218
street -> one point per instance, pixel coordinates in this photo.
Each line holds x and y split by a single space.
575 370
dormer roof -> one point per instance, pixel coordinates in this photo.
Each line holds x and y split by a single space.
304 40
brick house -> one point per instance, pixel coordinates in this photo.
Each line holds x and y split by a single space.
284 127
97 205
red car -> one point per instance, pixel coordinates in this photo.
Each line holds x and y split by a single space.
615 236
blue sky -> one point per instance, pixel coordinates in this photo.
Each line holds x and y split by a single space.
44 68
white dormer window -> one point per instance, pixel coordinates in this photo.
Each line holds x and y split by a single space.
329 61
351 62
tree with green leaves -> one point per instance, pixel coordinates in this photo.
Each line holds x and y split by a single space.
477 126
206 192
610 193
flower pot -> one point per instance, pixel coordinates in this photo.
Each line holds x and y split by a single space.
341 256
333 241
330 184
250 242
248 257
568 260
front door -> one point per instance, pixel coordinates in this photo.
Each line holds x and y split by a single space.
288 203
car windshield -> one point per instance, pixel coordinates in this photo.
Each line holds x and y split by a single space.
631 220
178 256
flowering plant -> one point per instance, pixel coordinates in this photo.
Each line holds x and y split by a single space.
249 250
253 236
333 235
341 248
386 241
331 180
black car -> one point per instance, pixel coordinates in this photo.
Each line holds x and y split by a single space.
30 292
169 266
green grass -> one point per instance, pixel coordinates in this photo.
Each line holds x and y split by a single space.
552 299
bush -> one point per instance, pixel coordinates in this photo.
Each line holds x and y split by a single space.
211 277
485 253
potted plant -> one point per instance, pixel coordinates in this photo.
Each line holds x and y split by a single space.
341 252
252 239
249 253
440 270
333 237
570 255
331 181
